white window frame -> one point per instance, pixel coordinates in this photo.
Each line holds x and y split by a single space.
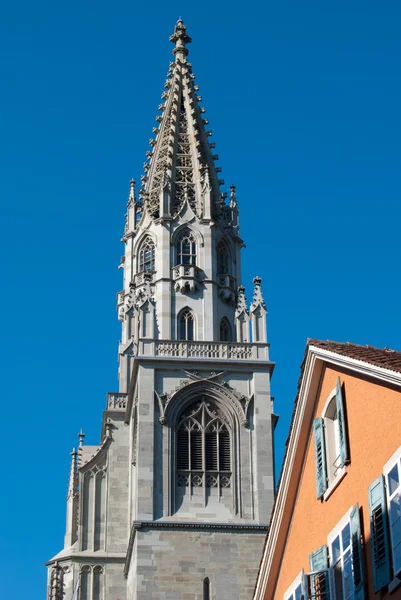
346 519
333 480
288 594
396 458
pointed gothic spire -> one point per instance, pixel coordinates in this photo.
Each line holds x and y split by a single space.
258 313
257 294
180 151
242 317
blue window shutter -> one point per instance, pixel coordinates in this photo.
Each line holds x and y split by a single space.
379 534
341 424
320 457
357 561
319 559
319 583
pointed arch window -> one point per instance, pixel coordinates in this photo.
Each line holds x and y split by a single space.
186 325
186 248
203 447
147 255
223 258
206 589
225 330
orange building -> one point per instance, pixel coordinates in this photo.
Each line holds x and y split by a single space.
335 531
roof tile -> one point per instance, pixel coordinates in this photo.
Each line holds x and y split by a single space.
380 357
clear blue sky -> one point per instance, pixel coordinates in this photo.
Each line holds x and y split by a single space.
304 101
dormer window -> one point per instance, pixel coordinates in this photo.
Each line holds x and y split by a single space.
147 255
186 249
222 258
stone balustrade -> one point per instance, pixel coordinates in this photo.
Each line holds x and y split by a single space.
213 350
116 401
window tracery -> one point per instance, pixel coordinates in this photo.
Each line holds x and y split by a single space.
147 255
184 171
186 248
186 325
223 255
203 447
225 330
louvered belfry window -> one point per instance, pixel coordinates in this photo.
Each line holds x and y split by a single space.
203 447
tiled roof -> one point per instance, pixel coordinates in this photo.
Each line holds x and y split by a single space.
380 357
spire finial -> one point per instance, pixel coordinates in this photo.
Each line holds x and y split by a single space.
81 436
180 38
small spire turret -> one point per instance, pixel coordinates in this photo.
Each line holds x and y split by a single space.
257 294
233 196
72 484
258 313
72 502
242 317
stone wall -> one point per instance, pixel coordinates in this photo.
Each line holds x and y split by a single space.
171 564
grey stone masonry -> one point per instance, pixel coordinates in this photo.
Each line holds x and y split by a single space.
173 564
178 493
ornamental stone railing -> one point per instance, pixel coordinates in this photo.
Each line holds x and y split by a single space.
116 401
213 350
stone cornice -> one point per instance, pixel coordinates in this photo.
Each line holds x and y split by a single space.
256 527
88 557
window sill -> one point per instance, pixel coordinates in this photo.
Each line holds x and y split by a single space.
336 481
393 585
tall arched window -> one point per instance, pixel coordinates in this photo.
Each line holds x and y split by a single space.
225 330
147 255
203 447
186 325
223 255
186 248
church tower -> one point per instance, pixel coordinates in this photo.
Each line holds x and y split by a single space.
174 502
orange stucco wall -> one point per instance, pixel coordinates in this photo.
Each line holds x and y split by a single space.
374 430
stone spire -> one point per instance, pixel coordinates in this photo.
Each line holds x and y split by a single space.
72 484
242 317
257 294
258 313
181 167
72 502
